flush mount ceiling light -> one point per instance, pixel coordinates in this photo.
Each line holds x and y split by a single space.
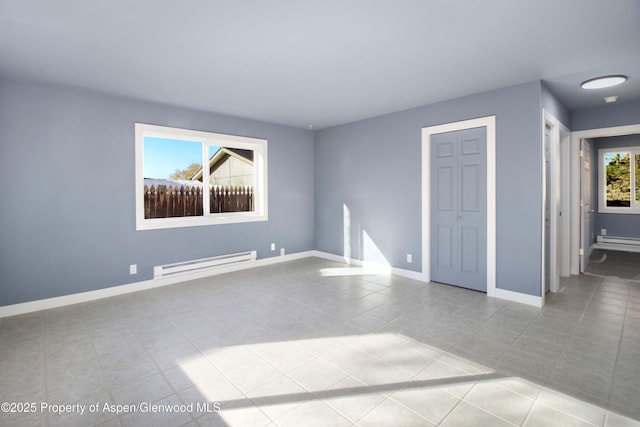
604 81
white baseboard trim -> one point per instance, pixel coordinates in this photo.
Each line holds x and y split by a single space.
282 258
331 257
518 297
49 303
377 268
409 274
372 267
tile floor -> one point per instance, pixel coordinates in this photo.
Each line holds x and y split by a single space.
625 265
312 342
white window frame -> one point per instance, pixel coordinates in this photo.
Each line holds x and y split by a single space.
259 148
602 182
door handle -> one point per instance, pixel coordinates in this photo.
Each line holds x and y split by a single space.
459 218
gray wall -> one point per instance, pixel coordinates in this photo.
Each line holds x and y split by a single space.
554 106
69 226
606 116
67 216
618 225
374 168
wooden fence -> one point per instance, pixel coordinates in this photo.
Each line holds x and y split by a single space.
168 201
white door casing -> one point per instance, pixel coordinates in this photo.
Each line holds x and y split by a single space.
586 210
489 123
554 131
575 184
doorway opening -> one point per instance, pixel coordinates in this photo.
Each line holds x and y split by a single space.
581 238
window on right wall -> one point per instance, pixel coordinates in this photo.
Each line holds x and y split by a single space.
619 180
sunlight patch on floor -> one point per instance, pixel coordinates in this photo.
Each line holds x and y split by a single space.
365 378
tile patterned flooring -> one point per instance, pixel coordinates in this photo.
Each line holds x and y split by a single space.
625 265
314 342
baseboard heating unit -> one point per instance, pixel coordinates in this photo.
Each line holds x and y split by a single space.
203 264
627 244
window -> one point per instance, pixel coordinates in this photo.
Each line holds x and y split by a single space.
186 178
619 180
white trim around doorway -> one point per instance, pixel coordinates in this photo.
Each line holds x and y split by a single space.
558 136
575 181
489 123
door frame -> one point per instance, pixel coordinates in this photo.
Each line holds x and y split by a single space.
584 212
489 123
576 183
565 204
558 134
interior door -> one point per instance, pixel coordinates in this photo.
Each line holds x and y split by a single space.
458 208
586 210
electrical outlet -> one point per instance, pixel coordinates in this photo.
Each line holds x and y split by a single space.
273 246
281 251
133 269
409 258
603 232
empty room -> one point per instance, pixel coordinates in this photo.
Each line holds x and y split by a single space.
330 213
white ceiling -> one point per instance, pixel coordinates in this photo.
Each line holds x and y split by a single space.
321 62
